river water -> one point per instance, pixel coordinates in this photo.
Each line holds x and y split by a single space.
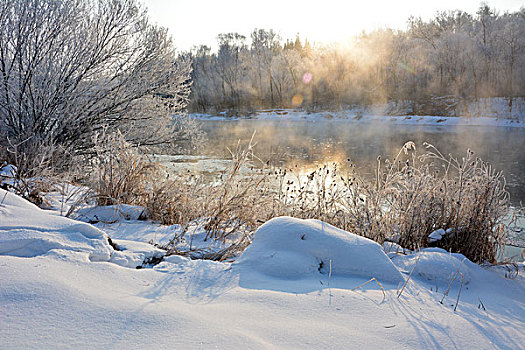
310 143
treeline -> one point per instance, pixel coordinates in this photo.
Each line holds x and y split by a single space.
434 67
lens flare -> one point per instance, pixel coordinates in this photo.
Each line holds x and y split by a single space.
307 77
297 100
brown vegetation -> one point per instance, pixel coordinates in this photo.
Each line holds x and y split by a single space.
410 197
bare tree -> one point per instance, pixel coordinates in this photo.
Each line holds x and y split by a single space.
70 68
229 67
445 65
265 45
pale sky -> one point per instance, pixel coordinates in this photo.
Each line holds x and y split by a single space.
194 22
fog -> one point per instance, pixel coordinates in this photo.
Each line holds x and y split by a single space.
304 145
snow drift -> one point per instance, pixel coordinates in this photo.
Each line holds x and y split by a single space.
28 231
437 265
52 289
290 248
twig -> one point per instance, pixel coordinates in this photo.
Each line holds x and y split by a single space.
409 276
3 199
329 289
370 280
480 305
459 293
458 272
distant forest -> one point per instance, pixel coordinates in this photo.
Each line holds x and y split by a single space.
434 67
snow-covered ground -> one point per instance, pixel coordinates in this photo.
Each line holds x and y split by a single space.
299 285
354 117
484 112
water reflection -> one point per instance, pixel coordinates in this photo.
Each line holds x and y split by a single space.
305 145
309 144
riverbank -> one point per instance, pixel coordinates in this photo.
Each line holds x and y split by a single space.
356 117
65 285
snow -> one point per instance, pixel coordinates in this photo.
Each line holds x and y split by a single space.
7 171
140 231
28 231
111 213
484 112
436 235
392 249
436 265
289 248
369 117
134 254
193 241
64 198
68 288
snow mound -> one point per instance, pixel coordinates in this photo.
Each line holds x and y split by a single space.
436 265
111 213
17 213
28 231
290 248
8 199
135 254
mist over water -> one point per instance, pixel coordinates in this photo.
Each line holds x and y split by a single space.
307 144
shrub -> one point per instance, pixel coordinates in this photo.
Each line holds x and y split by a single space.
232 204
410 197
121 174
70 68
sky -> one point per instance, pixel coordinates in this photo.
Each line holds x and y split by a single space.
195 22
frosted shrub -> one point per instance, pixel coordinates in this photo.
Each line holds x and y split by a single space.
121 175
465 196
69 68
410 197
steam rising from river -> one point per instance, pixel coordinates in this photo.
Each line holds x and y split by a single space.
305 145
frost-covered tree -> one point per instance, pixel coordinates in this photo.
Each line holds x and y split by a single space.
436 66
265 45
205 87
230 67
71 68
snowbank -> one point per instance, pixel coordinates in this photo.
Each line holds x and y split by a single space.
437 266
290 248
357 116
28 231
54 295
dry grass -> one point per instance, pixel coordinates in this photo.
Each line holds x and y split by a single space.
410 197
232 204
121 174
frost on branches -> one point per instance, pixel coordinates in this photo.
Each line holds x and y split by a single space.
71 68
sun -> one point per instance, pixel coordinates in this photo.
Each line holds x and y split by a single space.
199 22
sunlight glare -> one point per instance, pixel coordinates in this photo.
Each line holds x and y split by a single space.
330 21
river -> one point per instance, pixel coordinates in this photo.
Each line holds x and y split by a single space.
310 143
